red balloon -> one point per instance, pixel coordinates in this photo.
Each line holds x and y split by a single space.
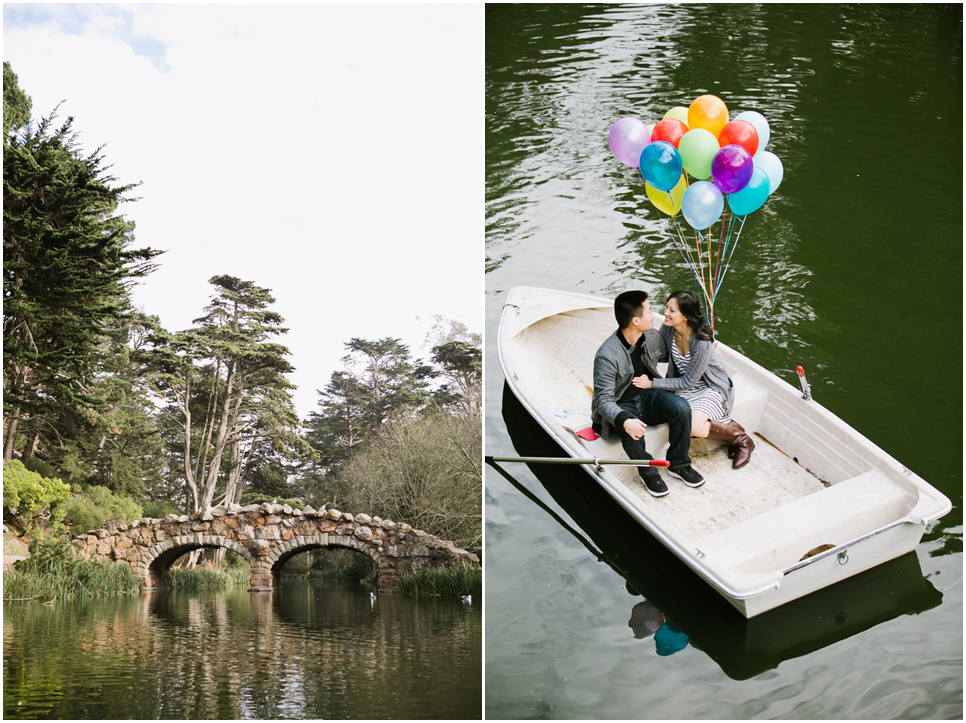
739 133
670 130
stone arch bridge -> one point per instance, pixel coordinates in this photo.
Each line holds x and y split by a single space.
267 536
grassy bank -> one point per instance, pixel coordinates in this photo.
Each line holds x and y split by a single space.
52 572
445 581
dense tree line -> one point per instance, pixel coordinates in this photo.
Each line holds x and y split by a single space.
96 392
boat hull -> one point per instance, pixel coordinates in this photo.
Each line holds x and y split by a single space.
818 503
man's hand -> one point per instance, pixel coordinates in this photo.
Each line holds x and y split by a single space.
635 427
642 382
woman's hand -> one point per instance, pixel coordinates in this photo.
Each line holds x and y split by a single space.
642 382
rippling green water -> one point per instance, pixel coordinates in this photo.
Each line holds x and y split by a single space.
853 269
312 650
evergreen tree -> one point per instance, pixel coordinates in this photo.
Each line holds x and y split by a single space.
16 103
68 268
392 384
225 382
461 363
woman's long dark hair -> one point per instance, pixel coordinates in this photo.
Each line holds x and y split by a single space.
691 308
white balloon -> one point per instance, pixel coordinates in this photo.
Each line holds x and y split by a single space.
760 124
772 165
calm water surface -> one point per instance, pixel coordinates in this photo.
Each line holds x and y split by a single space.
313 650
852 269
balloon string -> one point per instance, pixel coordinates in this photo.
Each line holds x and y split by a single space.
717 263
722 253
684 245
733 247
680 248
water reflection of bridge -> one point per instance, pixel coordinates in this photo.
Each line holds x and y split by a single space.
267 536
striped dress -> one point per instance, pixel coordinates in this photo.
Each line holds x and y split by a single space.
702 397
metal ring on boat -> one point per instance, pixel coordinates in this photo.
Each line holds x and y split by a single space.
843 557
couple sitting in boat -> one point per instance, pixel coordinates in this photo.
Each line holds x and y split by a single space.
695 400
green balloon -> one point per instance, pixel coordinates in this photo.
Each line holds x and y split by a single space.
678 113
697 148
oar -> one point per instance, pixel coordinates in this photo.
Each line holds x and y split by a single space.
596 462
543 505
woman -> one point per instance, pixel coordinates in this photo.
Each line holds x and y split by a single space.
696 373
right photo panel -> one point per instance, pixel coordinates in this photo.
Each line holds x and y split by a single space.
720 483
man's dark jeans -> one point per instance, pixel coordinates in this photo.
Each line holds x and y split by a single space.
657 406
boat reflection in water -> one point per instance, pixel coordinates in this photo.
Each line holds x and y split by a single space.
680 606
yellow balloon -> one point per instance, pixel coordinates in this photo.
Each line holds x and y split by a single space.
678 113
670 205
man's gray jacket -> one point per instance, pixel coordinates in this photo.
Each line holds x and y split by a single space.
613 371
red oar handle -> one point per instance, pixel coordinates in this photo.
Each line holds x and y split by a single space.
660 463
806 391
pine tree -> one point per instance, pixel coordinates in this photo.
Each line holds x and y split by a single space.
225 382
68 268
16 103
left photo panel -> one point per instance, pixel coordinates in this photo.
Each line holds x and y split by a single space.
243 317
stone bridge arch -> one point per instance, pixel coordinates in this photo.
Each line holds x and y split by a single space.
281 554
154 567
267 536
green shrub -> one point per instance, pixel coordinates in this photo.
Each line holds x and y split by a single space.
254 498
92 506
53 572
26 493
158 509
37 465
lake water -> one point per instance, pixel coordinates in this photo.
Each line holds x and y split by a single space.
312 650
852 269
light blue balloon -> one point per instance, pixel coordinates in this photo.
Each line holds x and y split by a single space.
760 124
772 165
752 196
661 165
702 205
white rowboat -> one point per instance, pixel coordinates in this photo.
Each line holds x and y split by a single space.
817 503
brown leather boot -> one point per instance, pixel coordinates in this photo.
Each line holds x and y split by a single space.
736 437
733 449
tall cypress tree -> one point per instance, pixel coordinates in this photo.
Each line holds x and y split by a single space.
67 272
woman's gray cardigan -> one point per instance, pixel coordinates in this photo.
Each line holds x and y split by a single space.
705 363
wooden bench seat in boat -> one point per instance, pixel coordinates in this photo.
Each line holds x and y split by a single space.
779 538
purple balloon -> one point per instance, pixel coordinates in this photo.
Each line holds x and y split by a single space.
627 139
731 168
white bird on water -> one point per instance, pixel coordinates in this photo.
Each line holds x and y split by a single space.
467 598
372 598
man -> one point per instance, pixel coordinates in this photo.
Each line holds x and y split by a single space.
632 352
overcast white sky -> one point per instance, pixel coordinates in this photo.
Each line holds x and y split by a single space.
331 153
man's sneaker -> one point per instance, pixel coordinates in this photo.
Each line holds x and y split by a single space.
655 485
688 474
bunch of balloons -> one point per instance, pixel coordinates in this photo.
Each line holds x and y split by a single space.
692 161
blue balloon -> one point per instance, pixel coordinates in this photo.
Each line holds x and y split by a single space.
702 204
772 165
752 196
661 165
669 639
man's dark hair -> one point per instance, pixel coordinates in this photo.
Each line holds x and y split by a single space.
627 306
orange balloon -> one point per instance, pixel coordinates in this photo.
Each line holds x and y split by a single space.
708 112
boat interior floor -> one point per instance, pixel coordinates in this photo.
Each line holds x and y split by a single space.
728 497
